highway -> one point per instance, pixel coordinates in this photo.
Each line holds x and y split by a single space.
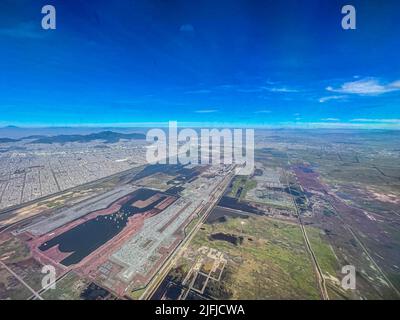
173 258
317 268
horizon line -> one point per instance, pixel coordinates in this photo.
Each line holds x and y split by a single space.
288 125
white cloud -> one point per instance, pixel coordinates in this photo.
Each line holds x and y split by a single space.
395 121
268 89
24 30
330 119
206 111
329 98
281 89
367 86
396 84
262 111
201 91
251 90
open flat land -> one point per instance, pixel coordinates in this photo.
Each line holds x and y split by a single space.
265 259
314 203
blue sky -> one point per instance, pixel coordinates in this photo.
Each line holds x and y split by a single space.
240 62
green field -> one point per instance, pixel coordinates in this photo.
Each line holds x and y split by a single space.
11 288
244 182
271 263
68 288
13 250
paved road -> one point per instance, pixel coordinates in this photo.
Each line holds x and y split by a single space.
317 268
163 272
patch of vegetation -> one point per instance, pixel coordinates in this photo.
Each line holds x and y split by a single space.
274 265
241 185
14 250
178 274
68 288
325 255
135 295
11 288
220 289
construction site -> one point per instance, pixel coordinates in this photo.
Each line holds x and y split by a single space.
129 231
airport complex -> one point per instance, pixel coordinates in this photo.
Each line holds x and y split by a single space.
119 228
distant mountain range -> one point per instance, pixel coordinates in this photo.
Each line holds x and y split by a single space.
6 140
106 136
